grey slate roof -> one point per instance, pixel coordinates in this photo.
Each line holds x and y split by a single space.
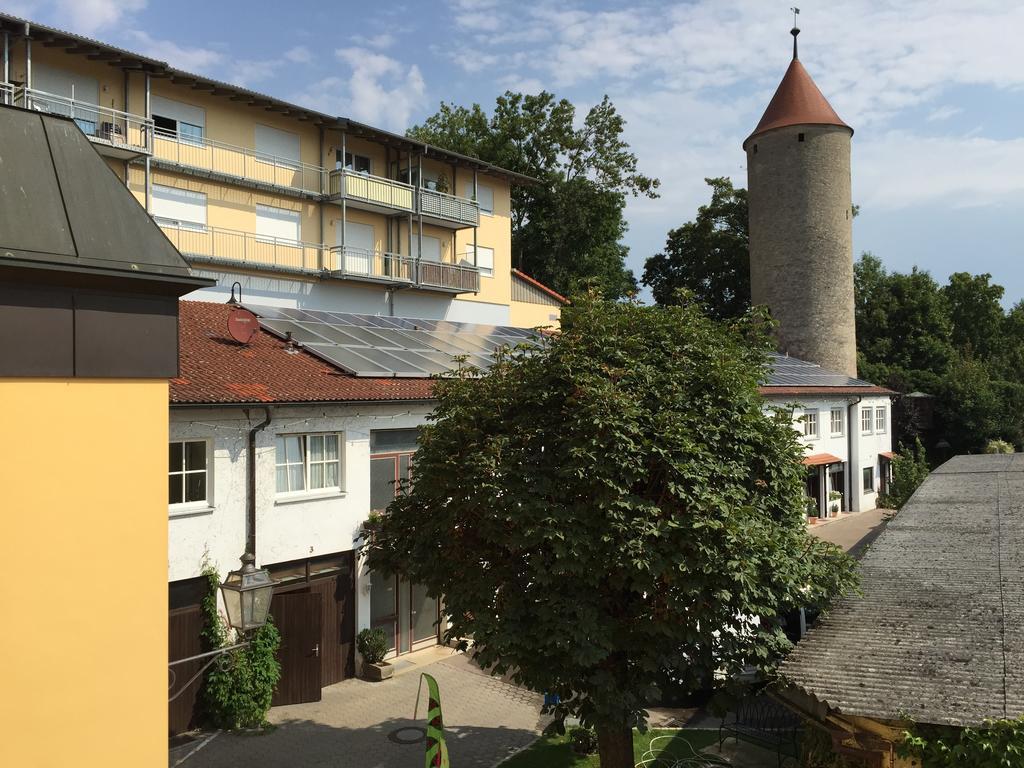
62 208
791 372
937 635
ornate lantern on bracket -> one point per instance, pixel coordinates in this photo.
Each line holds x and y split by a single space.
247 593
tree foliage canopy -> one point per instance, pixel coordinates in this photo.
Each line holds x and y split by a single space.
566 229
709 256
610 506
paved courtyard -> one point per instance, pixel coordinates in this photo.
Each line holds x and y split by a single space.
853 532
355 725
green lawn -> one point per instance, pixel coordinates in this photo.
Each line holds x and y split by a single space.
554 751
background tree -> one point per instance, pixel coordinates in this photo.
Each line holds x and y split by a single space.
567 228
975 313
613 505
709 256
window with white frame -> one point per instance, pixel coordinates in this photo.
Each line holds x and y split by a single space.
836 421
357 163
188 474
179 208
484 197
810 423
880 420
175 120
866 414
308 462
484 259
869 479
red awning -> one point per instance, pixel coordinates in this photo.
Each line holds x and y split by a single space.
818 459
887 455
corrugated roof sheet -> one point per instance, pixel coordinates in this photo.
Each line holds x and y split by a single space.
217 369
936 637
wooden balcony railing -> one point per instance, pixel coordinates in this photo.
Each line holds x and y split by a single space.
453 277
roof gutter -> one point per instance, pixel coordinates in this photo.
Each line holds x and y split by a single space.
849 449
250 501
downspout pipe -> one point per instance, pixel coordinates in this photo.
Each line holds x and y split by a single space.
851 422
250 506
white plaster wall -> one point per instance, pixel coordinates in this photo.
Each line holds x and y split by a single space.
870 445
349 296
287 529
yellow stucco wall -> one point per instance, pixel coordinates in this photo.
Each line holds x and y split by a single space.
523 314
83 589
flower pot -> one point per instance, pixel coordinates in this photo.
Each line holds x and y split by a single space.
378 672
812 519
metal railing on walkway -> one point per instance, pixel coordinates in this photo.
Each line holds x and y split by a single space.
348 261
450 207
376 190
230 162
103 125
245 249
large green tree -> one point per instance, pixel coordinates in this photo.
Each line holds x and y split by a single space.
975 313
709 257
568 226
612 505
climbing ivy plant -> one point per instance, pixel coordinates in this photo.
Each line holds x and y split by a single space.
999 744
239 686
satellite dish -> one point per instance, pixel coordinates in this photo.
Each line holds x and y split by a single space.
242 325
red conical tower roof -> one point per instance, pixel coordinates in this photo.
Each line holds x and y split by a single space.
797 101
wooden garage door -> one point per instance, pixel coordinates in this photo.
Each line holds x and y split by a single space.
299 617
184 640
337 655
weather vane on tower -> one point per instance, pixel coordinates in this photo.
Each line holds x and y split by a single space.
795 30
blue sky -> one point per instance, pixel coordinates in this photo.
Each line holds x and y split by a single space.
934 89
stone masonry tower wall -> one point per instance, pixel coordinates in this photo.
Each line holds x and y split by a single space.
801 240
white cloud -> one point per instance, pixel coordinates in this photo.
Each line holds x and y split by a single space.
300 54
190 59
381 42
943 113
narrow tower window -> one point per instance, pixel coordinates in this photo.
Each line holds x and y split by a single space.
799 137
755 149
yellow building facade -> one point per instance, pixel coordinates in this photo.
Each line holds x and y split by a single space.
299 206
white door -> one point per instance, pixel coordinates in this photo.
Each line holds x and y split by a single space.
359 242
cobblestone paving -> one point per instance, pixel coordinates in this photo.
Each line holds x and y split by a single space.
486 719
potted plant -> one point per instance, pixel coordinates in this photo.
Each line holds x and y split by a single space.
372 645
372 522
836 499
812 511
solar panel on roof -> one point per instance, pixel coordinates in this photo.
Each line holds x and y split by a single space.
373 345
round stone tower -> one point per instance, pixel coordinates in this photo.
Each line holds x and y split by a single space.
801 234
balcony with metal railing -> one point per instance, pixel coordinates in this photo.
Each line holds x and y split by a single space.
444 210
346 261
115 133
236 165
6 94
439 275
214 245
373 193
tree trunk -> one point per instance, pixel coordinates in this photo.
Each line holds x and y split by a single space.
615 745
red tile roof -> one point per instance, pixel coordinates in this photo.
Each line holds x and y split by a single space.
818 459
217 369
797 101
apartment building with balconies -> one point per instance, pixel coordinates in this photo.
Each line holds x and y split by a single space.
301 208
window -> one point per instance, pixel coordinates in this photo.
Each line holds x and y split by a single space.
865 420
188 473
357 163
277 223
308 462
81 89
277 145
484 197
880 420
869 479
484 259
175 120
431 248
837 421
810 423
179 207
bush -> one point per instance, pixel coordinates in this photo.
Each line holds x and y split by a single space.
240 684
372 645
998 446
998 744
909 469
583 740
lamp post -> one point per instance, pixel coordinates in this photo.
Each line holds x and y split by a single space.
246 593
